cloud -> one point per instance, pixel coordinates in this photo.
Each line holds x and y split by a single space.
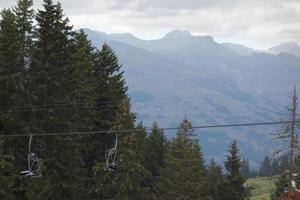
258 23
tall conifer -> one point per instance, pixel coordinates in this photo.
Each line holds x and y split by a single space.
184 164
234 179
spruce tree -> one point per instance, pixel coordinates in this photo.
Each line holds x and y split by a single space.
184 175
83 83
7 175
215 181
130 182
51 90
12 92
156 147
155 152
234 180
111 86
111 94
24 22
265 168
245 168
275 167
281 187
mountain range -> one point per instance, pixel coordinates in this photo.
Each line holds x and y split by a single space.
182 75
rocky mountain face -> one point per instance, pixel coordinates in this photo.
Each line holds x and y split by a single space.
210 83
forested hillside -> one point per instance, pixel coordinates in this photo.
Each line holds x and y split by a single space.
210 82
67 129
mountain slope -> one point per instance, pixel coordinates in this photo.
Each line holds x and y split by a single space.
194 76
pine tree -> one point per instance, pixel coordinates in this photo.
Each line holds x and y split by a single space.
184 175
111 94
155 149
265 168
12 92
245 168
83 83
130 183
9 72
283 164
234 180
215 181
51 89
24 22
7 175
275 167
111 86
281 186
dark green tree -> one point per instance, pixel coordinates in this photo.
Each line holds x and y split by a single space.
245 168
275 167
111 86
184 174
83 83
51 86
12 92
24 22
281 187
111 93
7 175
130 183
155 152
265 168
234 180
215 181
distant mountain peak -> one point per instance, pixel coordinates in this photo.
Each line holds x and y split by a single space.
178 34
288 47
123 35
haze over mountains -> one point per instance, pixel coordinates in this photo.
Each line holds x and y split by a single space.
290 47
210 83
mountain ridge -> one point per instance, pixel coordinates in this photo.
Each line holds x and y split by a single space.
204 80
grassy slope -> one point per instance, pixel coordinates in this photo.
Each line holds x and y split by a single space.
260 187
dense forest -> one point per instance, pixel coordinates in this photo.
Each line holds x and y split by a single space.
55 85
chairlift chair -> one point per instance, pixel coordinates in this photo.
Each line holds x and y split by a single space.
110 157
32 162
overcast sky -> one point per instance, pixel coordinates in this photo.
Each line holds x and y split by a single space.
255 23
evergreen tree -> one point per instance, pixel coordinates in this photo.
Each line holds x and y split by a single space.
82 90
7 175
155 155
184 175
245 168
234 180
12 91
275 167
9 72
111 93
51 89
265 168
215 181
281 186
111 88
83 83
24 22
283 163
130 183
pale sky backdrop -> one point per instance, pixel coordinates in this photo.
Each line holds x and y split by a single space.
256 23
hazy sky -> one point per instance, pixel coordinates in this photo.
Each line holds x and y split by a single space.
256 23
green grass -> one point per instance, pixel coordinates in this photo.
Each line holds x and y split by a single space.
260 187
